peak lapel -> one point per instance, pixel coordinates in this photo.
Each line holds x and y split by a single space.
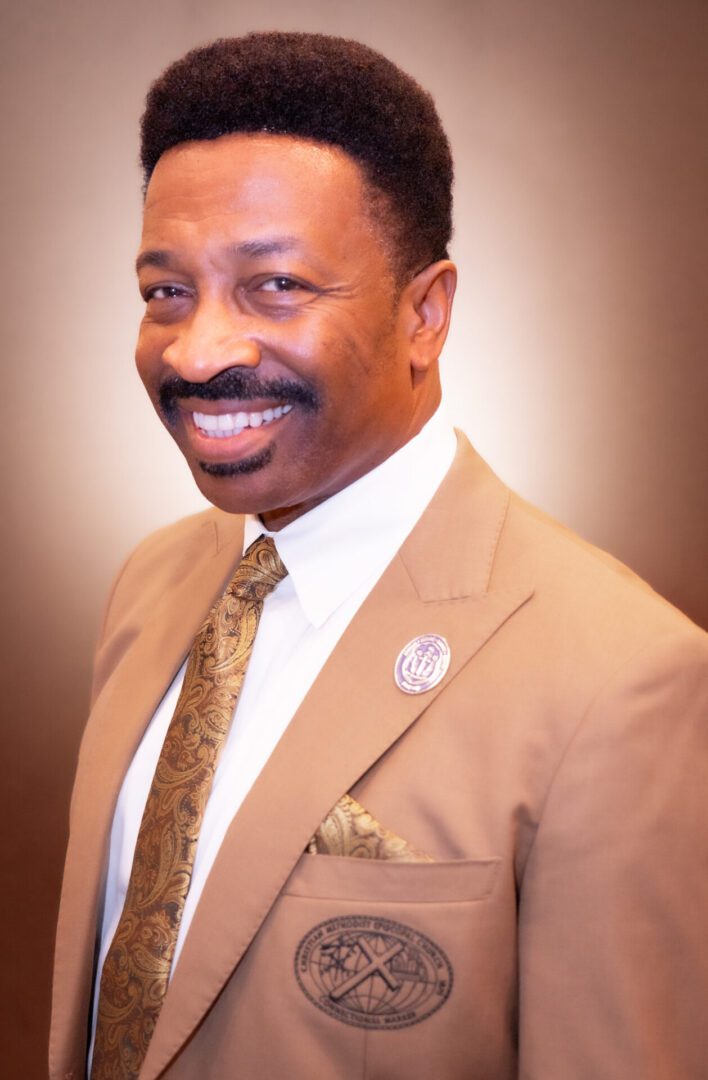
118 720
351 716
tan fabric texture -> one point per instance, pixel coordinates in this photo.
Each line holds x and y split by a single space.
556 775
137 966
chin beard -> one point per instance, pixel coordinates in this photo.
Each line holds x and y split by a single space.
238 468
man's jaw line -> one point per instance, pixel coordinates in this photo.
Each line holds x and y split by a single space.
241 450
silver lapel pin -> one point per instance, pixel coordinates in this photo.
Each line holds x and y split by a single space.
422 663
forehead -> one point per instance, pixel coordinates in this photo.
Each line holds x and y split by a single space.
256 184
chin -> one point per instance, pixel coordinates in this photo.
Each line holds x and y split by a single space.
236 487
238 493
229 495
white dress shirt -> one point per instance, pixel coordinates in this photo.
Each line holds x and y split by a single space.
335 554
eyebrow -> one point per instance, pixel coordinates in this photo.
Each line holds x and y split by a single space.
252 249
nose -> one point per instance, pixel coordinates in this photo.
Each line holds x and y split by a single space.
213 339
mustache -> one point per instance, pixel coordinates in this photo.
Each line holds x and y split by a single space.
236 385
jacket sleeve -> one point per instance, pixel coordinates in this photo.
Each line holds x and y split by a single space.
613 919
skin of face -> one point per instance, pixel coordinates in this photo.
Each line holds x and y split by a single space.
268 285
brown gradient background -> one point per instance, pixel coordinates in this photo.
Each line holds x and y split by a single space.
577 362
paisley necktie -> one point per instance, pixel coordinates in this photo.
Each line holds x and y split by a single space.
137 966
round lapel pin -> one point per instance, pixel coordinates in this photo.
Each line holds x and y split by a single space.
422 663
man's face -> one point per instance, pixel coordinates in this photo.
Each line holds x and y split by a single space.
272 343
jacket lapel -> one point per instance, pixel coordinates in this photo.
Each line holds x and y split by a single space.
118 720
438 583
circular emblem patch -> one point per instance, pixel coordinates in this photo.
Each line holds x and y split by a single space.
422 663
373 973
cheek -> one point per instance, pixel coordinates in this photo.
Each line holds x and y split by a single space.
349 361
148 355
363 373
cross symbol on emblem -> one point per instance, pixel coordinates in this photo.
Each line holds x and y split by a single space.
376 966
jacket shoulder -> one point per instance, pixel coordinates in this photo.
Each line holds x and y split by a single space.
157 565
160 557
587 603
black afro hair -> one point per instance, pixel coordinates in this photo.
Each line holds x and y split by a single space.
332 91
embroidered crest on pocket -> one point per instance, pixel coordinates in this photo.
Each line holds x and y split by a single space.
372 972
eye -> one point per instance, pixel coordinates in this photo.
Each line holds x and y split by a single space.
164 292
281 284
280 294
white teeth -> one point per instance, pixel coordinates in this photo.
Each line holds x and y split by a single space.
226 425
206 422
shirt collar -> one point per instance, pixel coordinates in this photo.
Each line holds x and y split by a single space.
352 536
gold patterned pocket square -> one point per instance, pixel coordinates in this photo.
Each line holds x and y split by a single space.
350 830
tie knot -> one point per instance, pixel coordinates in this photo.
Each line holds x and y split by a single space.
259 571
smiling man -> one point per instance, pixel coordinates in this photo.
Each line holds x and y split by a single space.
386 774
257 298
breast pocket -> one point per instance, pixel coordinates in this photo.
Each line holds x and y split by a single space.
415 957
334 878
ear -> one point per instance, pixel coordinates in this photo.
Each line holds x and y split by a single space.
427 304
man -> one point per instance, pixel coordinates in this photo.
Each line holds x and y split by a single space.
451 823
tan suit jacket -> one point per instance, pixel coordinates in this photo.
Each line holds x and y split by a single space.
557 775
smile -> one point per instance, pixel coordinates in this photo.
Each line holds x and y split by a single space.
226 425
